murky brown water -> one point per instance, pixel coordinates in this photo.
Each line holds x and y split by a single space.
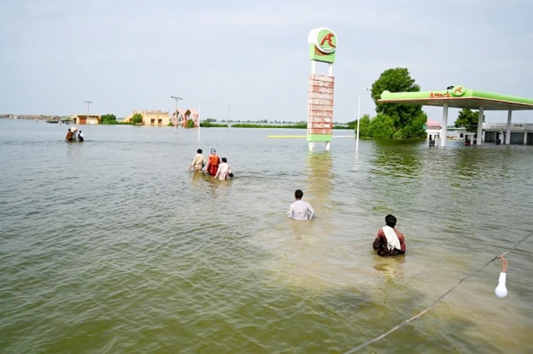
113 246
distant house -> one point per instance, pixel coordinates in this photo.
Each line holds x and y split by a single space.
183 116
150 118
433 131
83 119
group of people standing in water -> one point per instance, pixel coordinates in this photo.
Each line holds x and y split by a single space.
216 166
71 135
388 242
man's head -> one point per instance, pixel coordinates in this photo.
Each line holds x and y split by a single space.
213 151
298 194
390 220
199 151
224 159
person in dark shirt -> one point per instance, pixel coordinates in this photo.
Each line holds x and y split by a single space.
389 241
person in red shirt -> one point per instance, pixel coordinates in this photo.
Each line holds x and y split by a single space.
212 163
389 241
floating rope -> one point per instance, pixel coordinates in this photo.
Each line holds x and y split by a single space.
440 297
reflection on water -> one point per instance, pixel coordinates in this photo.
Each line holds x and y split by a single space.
397 158
116 241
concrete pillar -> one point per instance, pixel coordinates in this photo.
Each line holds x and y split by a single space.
444 124
525 138
330 69
508 133
480 127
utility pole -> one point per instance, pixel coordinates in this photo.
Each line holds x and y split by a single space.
358 119
88 104
176 98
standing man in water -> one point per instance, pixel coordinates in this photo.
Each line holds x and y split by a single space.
212 163
389 241
70 135
224 170
198 162
300 209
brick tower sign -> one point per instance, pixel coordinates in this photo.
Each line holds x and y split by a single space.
322 46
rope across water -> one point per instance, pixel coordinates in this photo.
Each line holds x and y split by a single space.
439 298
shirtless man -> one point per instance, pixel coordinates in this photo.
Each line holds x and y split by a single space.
70 135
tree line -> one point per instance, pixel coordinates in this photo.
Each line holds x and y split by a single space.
392 120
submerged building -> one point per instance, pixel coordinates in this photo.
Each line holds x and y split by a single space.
150 118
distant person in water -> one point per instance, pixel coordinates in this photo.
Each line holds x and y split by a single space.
212 163
81 136
198 162
224 170
389 241
300 209
70 135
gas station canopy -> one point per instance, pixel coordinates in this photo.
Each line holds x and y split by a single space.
459 97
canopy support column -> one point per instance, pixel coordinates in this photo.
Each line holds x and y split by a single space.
444 124
479 126
508 132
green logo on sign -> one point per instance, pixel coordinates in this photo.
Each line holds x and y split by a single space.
458 91
322 44
326 41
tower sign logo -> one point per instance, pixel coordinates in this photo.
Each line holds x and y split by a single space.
322 44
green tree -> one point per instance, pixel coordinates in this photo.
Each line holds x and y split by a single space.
408 120
382 127
109 119
364 127
137 119
467 119
190 123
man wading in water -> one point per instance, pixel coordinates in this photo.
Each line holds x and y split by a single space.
389 241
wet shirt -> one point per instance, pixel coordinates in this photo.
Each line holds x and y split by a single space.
381 245
301 210
213 163
198 161
223 171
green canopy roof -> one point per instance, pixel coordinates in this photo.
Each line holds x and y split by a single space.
459 97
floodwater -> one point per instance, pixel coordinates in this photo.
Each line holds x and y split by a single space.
113 246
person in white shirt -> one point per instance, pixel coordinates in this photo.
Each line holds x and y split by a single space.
224 170
300 209
198 162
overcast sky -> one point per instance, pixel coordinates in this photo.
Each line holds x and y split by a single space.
252 55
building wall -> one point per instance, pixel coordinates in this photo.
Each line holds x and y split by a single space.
83 119
154 118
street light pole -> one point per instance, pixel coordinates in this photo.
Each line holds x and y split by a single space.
199 108
176 98
358 119
88 104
